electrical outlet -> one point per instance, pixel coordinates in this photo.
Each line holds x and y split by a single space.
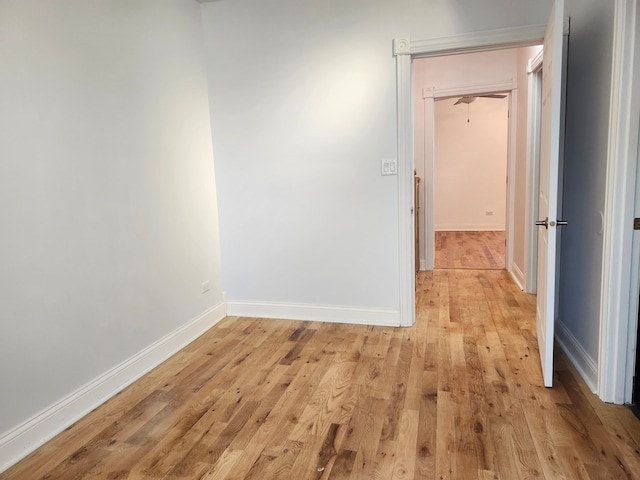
205 286
489 213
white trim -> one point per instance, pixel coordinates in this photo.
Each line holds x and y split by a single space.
26 437
535 64
315 313
406 225
472 228
475 89
511 177
586 366
401 46
517 276
634 159
534 106
429 187
479 41
617 274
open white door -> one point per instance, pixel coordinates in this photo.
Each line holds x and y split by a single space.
551 125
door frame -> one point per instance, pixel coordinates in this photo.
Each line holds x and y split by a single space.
534 111
405 50
621 249
621 244
430 95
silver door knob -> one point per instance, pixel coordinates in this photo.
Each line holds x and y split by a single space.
544 223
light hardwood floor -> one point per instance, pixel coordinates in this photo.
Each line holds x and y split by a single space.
457 396
474 250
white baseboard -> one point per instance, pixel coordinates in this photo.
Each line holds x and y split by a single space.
517 276
586 366
318 313
26 437
470 228
423 265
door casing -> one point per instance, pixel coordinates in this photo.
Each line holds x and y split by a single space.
430 95
405 49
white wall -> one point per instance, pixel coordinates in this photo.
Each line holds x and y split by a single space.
303 109
588 85
471 164
107 196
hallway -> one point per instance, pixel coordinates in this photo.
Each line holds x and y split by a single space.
470 250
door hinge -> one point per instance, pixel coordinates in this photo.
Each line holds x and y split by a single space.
636 223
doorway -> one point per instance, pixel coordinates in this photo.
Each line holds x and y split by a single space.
496 72
406 52
555 44
470 188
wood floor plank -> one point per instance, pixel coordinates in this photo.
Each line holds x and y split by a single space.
425 462
223 466
446 438
404 465
343 466
472 250
283 463
368 446
457 396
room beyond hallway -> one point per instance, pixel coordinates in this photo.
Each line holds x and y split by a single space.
470 250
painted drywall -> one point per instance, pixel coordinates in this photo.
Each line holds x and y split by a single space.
587 123
107 190
303 105
470 165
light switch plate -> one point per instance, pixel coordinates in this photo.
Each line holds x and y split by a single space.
389 166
